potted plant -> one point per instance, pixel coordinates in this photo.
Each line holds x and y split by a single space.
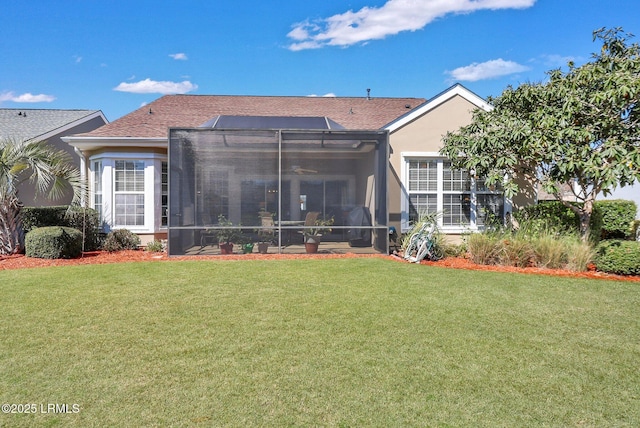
227 235
266 233
313 234
246 244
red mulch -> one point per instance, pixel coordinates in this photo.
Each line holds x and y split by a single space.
102 257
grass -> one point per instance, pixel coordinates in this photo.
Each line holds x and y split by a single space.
345 342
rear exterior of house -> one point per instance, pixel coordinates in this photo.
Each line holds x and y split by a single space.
287 156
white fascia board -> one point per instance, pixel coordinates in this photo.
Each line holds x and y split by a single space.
70 125
457 90
92 143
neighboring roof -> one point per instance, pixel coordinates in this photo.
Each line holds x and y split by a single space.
442 97
41 123
185 111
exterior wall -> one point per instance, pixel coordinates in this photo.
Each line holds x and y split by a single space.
27 191
422 135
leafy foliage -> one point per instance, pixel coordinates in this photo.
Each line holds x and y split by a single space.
54 242
86 220
51 172
619 257
33 217
581 126
617 218
121 239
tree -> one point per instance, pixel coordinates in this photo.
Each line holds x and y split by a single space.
581 127
50 170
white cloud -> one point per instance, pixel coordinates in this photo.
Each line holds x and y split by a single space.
26 98
179 56
486 70
557 61
148 86
395 16
327 95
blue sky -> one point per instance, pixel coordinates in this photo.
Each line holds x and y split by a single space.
116 56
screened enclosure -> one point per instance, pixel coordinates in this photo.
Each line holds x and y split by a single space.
275 187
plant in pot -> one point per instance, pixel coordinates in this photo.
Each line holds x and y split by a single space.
313 234
246 244
266 232
226 235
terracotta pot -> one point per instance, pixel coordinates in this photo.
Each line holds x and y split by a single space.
311 247
226 248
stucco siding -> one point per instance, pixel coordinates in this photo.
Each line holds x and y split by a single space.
424 134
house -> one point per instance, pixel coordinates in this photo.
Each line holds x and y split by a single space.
172 167
47 125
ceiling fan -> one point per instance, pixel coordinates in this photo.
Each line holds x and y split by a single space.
299 170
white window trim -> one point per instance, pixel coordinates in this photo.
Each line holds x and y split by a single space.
152 188
404 200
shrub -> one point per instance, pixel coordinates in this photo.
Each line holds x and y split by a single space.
619 257
549 214
556 217
516 251
121 239
33 217
53 242
617 218
550 252
156 246
86 220
579 254
484 248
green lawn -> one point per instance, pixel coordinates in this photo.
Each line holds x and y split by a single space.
343 342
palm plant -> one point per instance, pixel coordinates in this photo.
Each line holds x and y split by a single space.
51 172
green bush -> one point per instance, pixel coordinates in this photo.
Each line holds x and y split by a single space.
86 220
121 239
156 246
550 252
549 214
617 218
531 245
33 217
516 251
557 217
484 248
53 242
619 257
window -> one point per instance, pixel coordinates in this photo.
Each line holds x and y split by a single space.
490 203
434 187
456 197
97 188
129 193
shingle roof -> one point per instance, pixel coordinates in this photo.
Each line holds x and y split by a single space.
154 119
33 123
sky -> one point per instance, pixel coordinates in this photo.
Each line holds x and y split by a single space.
117 56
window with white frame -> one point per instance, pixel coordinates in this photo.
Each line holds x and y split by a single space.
97 188
129 192
464 201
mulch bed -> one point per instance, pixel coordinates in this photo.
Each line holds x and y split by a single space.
103 257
